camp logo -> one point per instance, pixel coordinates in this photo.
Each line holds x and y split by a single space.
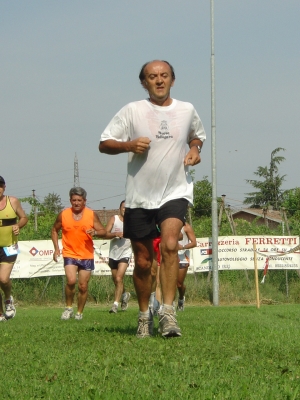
46 252
163 132
33 251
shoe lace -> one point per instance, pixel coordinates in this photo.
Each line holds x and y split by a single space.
168 318
143 327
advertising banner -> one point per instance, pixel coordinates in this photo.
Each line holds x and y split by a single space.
234 252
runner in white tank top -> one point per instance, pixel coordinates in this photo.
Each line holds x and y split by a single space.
188 242
119 257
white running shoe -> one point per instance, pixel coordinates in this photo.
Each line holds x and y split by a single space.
125 300
114 309
10 310
145 326
78 316
168 326
180 305
67 314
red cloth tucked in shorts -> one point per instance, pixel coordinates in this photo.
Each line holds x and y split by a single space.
156 243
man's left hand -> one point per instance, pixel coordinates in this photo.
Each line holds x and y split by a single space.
15 229
192 157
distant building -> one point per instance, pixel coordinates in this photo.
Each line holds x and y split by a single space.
104 215
269 218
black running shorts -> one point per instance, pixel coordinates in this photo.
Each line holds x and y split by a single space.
140 224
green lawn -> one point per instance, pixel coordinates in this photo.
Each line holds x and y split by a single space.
224 353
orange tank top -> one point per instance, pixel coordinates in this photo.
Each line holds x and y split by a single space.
76 242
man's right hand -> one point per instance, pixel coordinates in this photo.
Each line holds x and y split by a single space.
56 255
140 145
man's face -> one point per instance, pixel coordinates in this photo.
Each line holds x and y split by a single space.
122 209
77 203
2 189
158 81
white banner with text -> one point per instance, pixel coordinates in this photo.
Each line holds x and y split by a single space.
234 252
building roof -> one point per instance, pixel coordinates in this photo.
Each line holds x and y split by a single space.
272 215
105 215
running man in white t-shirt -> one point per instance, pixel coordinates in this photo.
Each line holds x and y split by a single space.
119 257
162 137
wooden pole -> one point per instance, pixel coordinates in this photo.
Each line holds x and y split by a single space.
256 276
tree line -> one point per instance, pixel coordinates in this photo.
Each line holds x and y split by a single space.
268 193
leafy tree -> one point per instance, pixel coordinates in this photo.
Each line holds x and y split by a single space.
46 213
291 201
202 198
203 228
52 203
269 192
44 226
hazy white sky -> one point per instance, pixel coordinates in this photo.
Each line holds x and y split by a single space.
68 66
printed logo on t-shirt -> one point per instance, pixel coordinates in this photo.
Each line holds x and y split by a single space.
163 132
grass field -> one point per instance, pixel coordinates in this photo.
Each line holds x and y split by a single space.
225 353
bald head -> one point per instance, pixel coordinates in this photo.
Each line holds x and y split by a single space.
142 72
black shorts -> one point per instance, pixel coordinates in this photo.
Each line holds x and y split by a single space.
140 224
113 264
7 259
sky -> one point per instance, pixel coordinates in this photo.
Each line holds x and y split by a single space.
68 66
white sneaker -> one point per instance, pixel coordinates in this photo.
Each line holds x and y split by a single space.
125 300
78 316
114 309
145 326
180 305
67 314
10 310
168 326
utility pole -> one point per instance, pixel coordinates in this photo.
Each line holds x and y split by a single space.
34 210
76 172
222 207
215 261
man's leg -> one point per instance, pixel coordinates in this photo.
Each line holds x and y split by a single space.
71 277
158 288
83 283
119 280
142 278
180 281
169 265
118 277
155 298
181 286
5 285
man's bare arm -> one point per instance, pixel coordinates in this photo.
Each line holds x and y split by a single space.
54 236
98 229
113 147
20 213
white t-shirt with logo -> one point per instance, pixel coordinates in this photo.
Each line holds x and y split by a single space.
158 175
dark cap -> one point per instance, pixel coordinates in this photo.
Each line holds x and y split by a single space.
2 181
